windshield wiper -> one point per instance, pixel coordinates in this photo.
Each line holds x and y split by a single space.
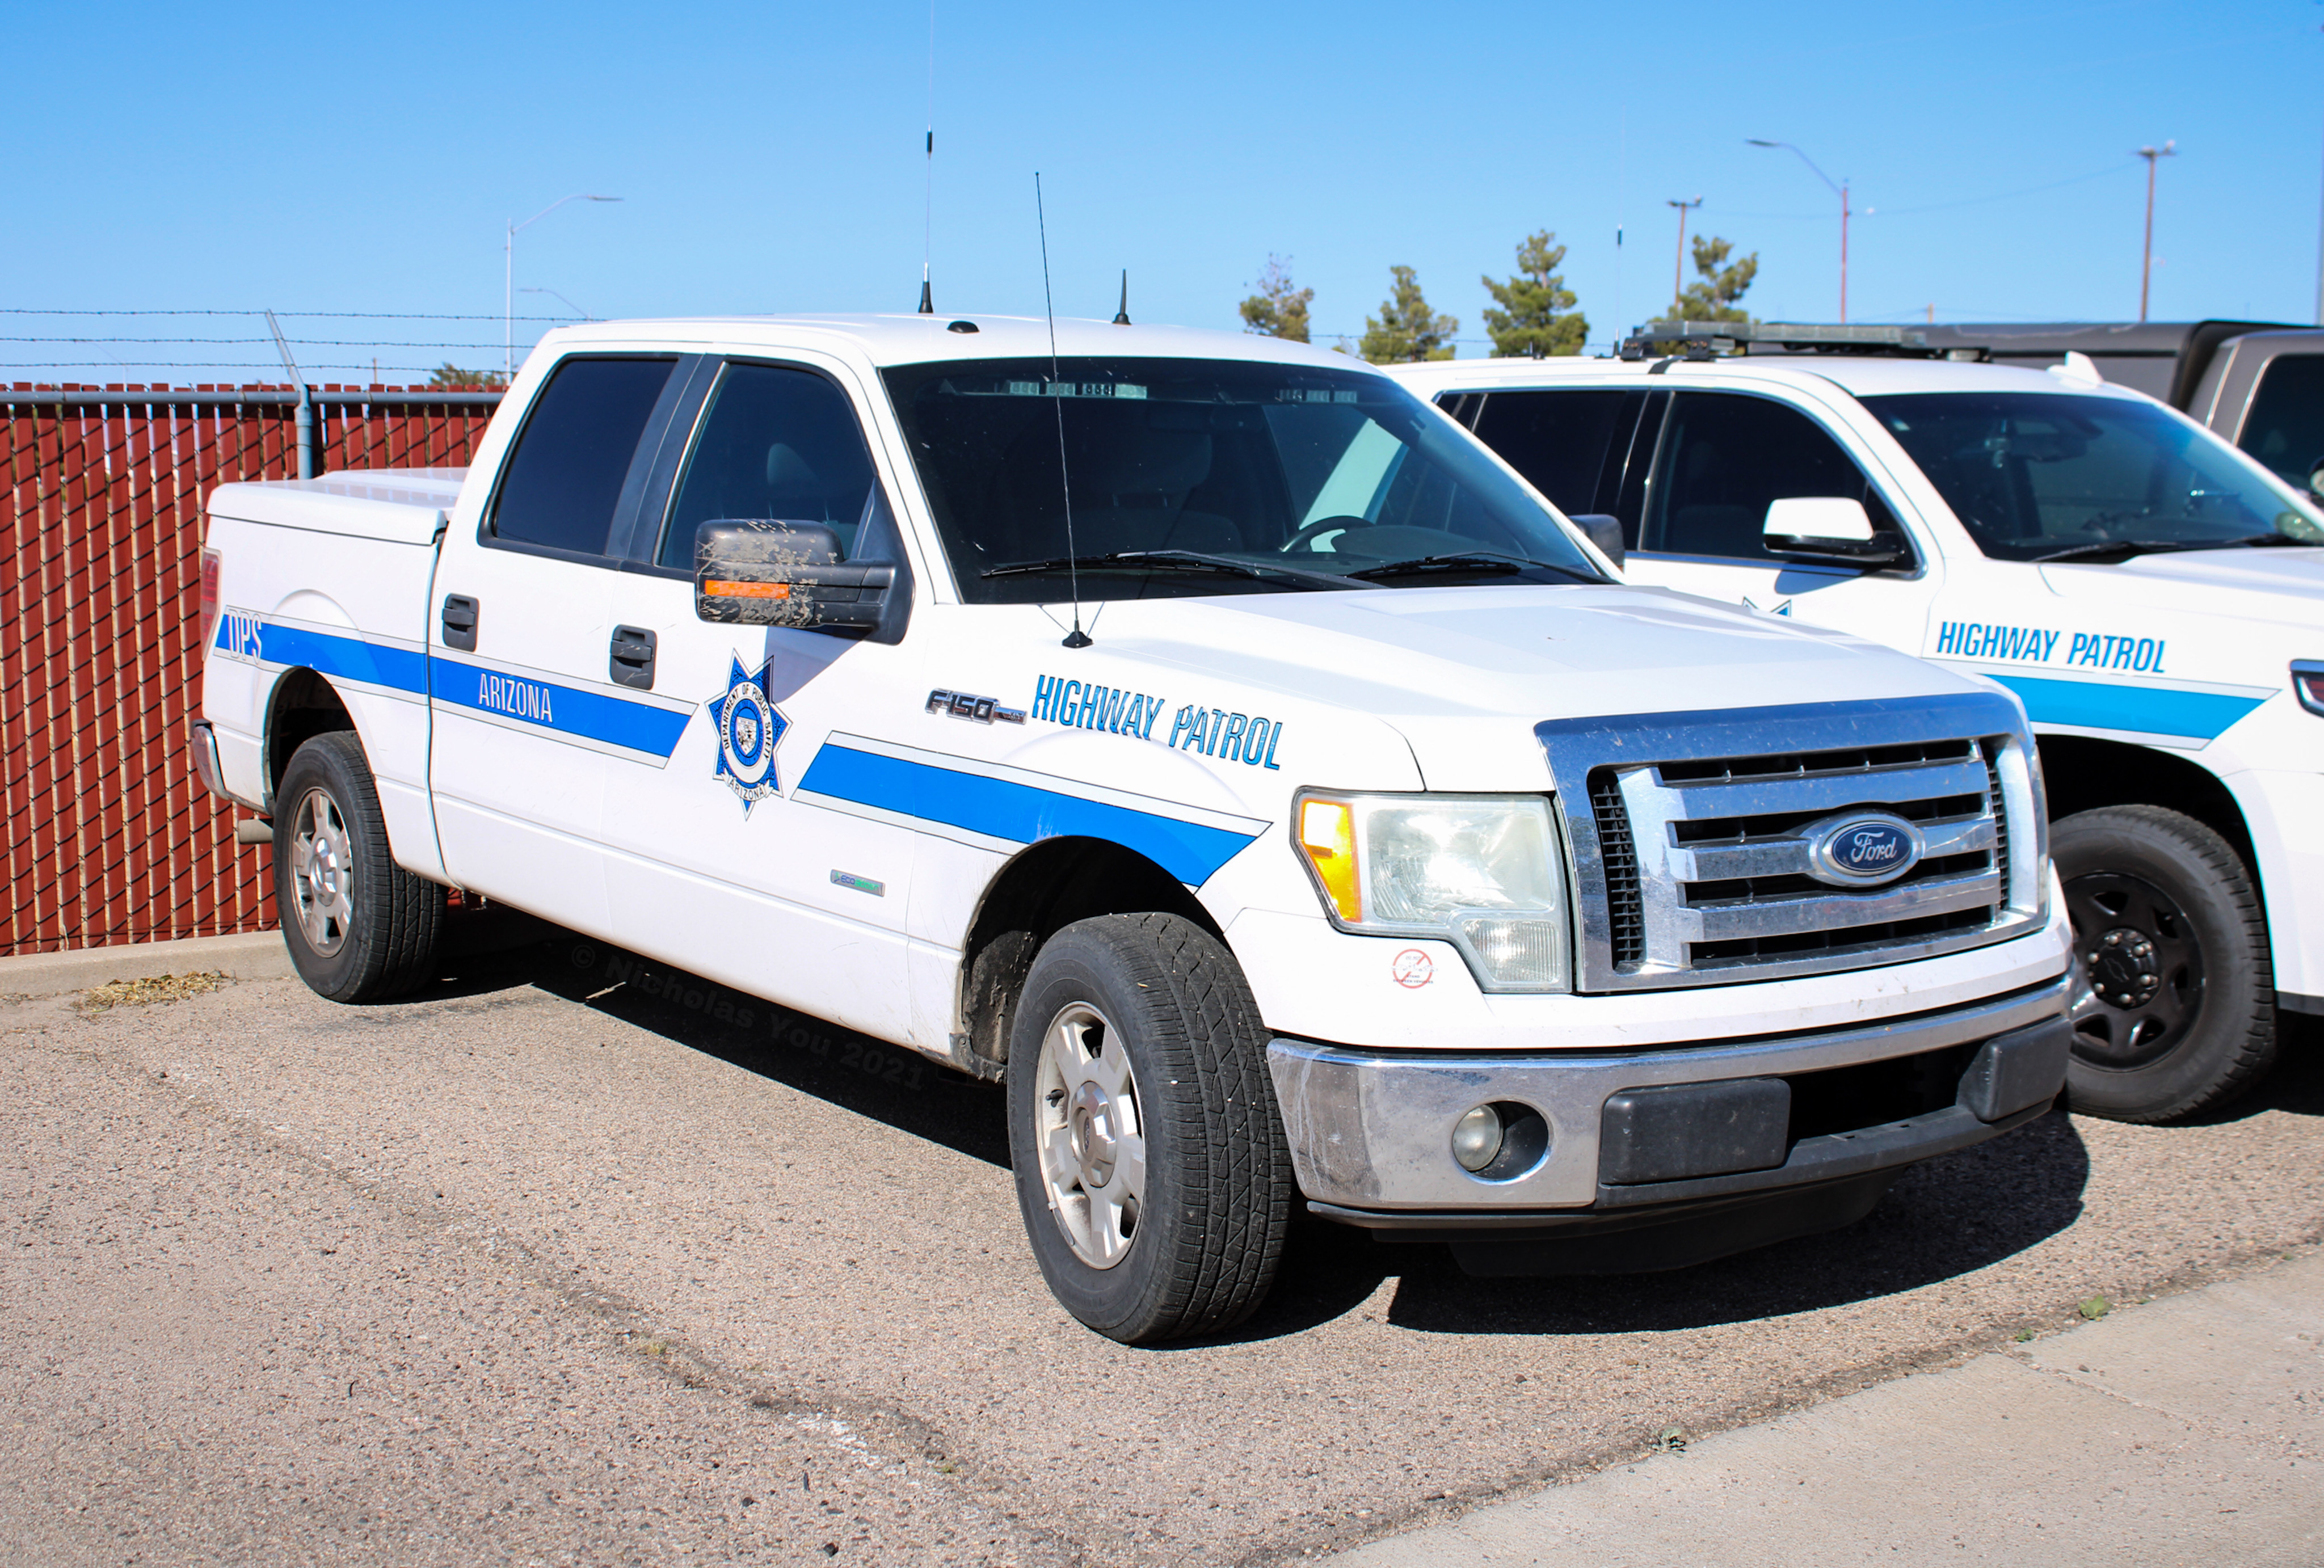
1468 561
2156 546
1178 561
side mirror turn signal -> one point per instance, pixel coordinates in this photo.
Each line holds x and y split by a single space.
763 572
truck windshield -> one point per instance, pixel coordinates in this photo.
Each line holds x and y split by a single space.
1342 474
2053 476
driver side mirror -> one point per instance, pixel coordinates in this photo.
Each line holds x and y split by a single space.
1829 528
756 572
2316 477
1605 531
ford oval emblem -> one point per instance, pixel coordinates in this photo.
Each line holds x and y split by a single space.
1861 849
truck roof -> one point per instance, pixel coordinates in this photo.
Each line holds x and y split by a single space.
915 339
1859 375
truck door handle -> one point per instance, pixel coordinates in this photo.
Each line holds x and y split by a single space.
460 623
631 661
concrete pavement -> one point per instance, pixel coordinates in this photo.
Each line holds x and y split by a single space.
2186 1431
572 1246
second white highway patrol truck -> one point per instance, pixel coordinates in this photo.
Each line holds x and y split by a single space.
2155 597
1200 734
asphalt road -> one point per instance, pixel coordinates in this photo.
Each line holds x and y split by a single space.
567 1262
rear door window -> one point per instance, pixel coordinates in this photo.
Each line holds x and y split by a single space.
776 445
1727 456
2285 427
564 479
1562 441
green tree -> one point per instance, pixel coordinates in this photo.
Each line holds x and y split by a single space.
1714 297
1535 316
1277 310
448 376
1406 329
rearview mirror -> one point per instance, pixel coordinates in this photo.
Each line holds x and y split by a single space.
1604 531
1829 528
763 572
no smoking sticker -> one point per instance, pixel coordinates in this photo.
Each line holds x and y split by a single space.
1412 969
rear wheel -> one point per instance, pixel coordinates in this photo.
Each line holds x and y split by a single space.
359 927
1151 1166
2174 1006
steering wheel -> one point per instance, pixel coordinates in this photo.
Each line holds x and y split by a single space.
1343 523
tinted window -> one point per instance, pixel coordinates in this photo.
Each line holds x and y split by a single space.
1558 440
2032 474
1310 466
775 445
564 479
2285 427
1725 457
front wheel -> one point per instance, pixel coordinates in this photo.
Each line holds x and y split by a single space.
1151 1166
2174 1003
359 927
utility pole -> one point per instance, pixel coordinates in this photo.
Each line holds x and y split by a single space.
1678 266
2146 252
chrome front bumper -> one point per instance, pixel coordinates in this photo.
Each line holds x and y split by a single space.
1371 1131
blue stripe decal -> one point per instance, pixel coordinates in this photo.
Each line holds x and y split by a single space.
349 658
561 709
2100 705
1021 813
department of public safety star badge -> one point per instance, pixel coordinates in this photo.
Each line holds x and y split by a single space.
749 727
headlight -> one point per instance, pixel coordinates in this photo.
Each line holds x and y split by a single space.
1483 871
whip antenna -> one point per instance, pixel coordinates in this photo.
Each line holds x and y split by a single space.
928 203
1076 638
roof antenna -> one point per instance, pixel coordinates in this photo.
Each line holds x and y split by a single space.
1076 638
928 207
1122 316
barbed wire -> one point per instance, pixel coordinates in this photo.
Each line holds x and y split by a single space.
300 315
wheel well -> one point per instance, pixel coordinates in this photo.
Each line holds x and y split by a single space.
304 705
2082 775
1046 887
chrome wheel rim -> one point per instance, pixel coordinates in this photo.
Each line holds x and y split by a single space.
1092 1135
322 873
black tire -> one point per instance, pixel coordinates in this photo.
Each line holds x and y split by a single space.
2174 1009
359 927
1201 1237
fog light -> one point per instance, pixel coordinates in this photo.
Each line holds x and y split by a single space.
1477 1138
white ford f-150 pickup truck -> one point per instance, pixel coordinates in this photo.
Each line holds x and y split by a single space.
1199 734
2154 597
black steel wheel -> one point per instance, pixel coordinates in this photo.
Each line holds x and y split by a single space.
2174 1004
359 927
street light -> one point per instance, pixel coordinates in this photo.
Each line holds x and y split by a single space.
569 305
508 260
1840 190
2146 252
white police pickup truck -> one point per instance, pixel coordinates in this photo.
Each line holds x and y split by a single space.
1199 733
2156 598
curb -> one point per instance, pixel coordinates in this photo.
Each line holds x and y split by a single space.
251 956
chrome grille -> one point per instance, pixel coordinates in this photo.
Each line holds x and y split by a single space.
1697 869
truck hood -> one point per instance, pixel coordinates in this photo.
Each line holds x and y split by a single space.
2283 584
1464 673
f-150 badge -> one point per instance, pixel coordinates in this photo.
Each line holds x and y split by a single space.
749 727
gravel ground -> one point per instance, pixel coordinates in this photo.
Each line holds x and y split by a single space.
576 1261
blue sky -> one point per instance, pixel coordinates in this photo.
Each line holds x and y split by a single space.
769 156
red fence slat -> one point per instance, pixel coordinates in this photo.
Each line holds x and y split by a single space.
106 834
